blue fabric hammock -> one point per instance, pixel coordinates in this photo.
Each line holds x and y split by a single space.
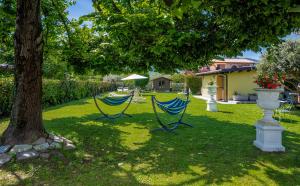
114 101
172 107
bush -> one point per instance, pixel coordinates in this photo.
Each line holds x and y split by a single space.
6 90
177 78
194 83
177 87
54 91
142 83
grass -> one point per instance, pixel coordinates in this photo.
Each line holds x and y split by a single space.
217 151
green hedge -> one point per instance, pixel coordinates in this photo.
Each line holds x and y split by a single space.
194 83
6 89
54 92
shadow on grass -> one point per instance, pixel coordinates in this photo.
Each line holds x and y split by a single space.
214 152
286 120
71 103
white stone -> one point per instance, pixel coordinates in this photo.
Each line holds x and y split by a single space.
69 146
67 140
4 158
51 136
39 141
49 140
4 149
268 138
211 102
27 155
41 147
20 148
268 130
212 106
58 139
45 155
55 145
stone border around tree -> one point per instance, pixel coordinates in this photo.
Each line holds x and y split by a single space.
42 148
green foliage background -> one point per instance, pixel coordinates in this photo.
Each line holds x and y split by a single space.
283 59
178 78
194 83
137 36
54 91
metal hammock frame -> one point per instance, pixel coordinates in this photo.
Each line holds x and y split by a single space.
113 116
174 125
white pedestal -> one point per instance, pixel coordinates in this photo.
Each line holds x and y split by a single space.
212 106
211 103
269 137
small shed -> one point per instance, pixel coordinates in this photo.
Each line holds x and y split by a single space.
161 84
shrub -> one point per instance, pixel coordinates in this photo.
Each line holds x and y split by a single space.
54 91
177 78
194 83
142 83
6 90
177 87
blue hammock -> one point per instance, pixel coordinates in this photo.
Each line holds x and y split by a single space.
172 107
114 101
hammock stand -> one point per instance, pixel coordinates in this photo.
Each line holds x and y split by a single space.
113 101
172 107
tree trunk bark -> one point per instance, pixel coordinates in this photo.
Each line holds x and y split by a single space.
26 117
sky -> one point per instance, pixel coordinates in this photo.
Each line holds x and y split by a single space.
84 7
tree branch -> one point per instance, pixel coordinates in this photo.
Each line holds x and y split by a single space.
6 67
65 21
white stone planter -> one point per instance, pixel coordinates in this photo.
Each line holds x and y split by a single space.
268 130
211 102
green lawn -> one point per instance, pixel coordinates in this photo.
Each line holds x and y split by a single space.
217 151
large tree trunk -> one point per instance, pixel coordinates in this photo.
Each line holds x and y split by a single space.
26 118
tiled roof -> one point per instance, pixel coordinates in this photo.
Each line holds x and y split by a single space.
235 60
226 70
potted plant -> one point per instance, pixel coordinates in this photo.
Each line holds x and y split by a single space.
268 93
235 96
212 89
253 97
268 130
239 97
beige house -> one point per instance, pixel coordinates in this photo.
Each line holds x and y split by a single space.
234 76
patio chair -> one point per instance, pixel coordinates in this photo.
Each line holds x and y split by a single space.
286 106
125 89
120 89
172 107
113 101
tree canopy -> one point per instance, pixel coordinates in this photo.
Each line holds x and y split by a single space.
7 25
283 59
169 35
139 36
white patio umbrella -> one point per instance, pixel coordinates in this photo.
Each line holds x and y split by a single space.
134 77
136 97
